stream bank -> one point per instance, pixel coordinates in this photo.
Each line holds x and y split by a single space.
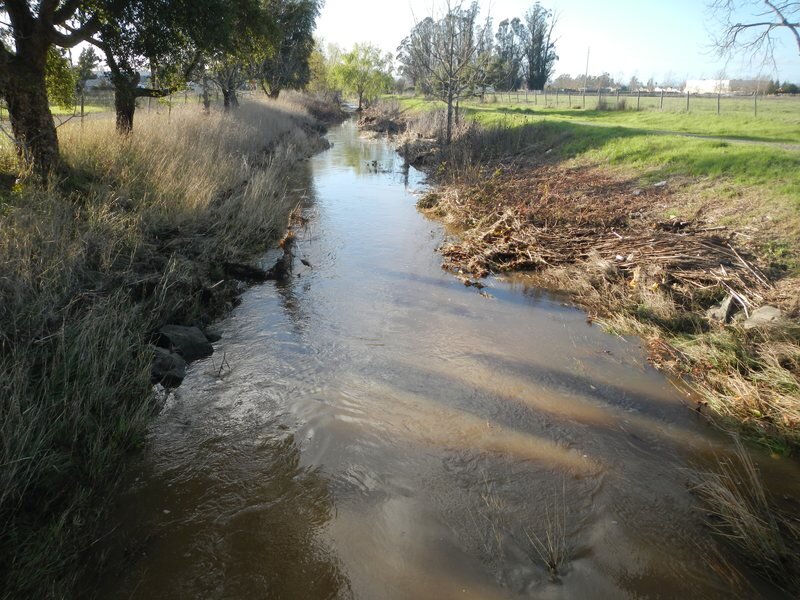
108 281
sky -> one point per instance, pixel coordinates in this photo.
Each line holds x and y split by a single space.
665 40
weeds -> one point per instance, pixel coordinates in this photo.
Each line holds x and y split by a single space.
740 511
551 547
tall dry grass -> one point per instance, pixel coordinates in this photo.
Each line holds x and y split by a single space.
88 267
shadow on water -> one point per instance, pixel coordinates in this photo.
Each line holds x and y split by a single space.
223 519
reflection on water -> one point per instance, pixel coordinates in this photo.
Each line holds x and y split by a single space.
385 432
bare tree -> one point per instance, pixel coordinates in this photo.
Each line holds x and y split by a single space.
448 52
756 35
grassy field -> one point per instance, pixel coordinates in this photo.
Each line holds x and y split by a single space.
635 142
778 119
129 239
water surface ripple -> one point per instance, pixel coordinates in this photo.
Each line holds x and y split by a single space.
374 429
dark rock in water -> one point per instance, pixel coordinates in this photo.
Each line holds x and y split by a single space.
189 342
245 272
724 311
168 368
212 334
766 316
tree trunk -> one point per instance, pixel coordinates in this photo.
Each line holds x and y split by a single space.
360 100
125 106
449 135
206 99
31 122
229 99
274 93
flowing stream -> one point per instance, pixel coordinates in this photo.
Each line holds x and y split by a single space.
374 429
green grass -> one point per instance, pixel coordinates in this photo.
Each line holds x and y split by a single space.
778 119
62 111
634 140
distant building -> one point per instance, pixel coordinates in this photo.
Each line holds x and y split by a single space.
708 86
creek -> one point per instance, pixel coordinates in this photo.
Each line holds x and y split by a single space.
372 428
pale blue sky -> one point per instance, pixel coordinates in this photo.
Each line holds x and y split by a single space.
647 38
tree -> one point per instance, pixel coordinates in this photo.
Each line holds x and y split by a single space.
414 55
29 29
241 44
286 64
167 36
84 70
757 34
509 55
60 79
453 55
364 72
540 48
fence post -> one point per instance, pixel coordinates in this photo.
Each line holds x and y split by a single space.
755 104
599 98
535 97
638 100
569 99
583 99
186 96
662 99
617 97
517 96
526 95
719 95
83 105
687 101
557 93
545 97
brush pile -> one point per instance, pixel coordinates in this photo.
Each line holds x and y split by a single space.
552 216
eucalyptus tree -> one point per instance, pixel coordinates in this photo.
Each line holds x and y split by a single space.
540 46
285 64
414 55
509 54
29 29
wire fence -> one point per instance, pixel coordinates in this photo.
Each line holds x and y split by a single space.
753 104
99 101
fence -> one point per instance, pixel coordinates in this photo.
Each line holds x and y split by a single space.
98 101
643 101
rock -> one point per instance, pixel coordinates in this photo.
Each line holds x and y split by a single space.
168 368
660 184
245 272
724 311
189 342
766 316
212 335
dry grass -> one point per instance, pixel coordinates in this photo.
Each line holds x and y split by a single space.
89 266
740 511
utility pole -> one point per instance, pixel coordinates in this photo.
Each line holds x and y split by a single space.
586 76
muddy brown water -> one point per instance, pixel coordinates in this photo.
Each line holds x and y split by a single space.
374 429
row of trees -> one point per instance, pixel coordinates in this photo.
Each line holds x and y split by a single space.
213 42
456 55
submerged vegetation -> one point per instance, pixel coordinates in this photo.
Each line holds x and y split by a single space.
134 237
